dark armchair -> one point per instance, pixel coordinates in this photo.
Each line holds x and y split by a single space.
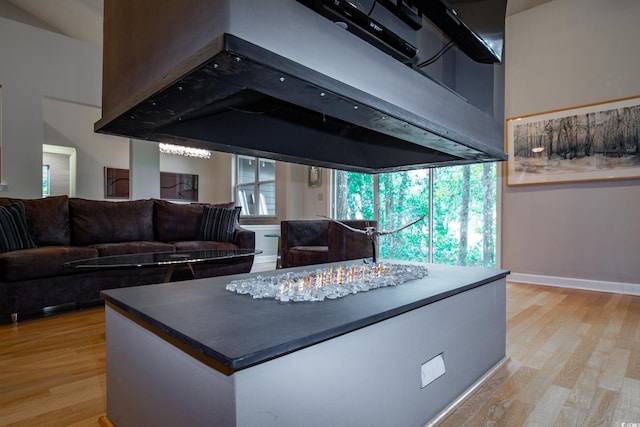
309 242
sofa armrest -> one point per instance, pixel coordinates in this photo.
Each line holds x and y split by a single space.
345 244
245 239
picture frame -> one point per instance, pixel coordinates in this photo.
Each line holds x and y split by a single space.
116 183
585 143
315 176
179 186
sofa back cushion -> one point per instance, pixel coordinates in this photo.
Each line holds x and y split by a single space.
178 222
95 221
175 222
311 232
47 219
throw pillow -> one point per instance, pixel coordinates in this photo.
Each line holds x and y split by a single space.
14 234
218 224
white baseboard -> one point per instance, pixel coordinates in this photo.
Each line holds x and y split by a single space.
584 284
451 407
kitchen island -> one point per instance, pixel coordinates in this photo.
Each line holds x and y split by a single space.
193 353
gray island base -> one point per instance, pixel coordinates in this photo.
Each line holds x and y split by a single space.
192 353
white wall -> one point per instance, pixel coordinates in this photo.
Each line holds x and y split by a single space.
314 201
144 173
562 54
71 125
38 65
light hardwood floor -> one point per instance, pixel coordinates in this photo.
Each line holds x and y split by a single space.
52 370
574 360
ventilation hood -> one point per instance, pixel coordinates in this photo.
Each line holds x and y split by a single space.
277 80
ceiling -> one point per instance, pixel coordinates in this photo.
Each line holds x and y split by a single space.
82 19
79 19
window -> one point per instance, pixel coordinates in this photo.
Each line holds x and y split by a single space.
459 203
46 178
256 186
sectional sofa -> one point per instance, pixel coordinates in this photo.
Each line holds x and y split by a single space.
38 236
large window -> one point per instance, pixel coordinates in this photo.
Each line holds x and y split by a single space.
459 204
256 186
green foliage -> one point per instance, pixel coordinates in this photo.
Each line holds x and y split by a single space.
447 206
404 196
354 195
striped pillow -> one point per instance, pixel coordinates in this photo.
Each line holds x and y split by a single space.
14 234
218 224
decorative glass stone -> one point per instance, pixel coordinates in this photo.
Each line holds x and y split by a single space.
327 283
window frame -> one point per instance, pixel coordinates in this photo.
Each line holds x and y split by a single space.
432 211
255 184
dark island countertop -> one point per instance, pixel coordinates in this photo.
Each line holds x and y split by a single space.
237 331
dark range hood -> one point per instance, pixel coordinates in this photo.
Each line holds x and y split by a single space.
194 85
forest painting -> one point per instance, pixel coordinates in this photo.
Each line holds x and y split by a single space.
594 142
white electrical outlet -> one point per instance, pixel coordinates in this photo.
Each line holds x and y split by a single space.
432 370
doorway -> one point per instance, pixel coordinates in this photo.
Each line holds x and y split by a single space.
58 170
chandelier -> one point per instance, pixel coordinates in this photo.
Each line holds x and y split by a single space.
180 150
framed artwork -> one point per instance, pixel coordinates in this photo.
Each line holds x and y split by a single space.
116 183
179 186
585 143
315 176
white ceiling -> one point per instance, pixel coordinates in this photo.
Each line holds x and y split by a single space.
517 6
82 19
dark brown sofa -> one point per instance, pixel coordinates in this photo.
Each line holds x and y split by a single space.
309 242
66 229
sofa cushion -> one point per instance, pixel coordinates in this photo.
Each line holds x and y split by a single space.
47 219
173 222
219 224
45 261
13 228
195 245
110 249
94 221
308 255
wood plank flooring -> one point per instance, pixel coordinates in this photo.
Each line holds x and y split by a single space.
52 370
574 361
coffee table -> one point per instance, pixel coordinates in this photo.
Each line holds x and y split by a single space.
160 259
